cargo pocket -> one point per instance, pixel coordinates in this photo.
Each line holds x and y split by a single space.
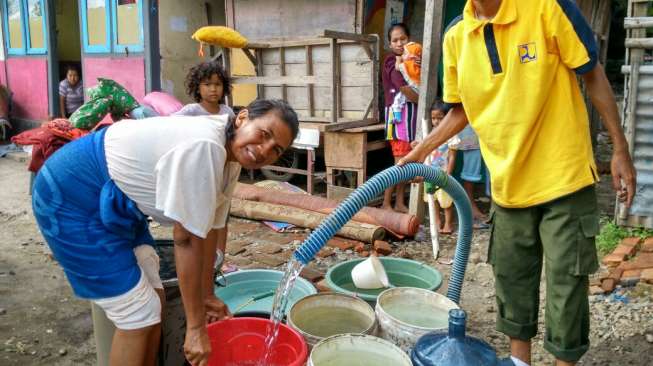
492 224
586 256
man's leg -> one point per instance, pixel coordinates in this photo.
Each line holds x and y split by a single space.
516 258
400 206
568 228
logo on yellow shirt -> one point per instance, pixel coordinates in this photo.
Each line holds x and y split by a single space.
527 52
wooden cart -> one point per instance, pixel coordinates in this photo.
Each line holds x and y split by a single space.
332 81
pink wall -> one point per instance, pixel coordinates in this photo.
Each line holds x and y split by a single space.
3 73
28 81
127 71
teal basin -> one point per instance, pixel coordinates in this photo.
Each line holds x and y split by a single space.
243 285
401 273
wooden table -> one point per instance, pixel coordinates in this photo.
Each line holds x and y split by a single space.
346 150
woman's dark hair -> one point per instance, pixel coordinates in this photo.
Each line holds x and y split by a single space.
261 107
439 105
204 71
401 26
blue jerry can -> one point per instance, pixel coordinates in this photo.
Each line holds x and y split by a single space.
453 348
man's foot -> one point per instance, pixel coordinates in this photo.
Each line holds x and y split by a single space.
446 230
401 208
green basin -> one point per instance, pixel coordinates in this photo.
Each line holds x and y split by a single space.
244 284
401 273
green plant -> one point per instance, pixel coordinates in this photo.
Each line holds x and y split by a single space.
611 234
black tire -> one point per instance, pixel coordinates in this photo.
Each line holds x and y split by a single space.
290 159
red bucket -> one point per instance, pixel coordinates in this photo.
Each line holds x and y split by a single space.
241 341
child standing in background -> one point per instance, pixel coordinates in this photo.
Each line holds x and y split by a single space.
472 172
71 92
208 84
444 158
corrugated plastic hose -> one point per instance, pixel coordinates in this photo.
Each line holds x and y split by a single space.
374 187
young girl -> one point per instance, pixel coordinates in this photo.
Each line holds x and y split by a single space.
181 171
444 157
71 92
402 132
208 84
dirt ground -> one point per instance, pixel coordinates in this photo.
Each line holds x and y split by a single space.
42 323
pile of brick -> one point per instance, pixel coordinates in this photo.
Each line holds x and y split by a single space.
629 263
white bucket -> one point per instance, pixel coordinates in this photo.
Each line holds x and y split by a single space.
356 350
319 316
370 274
407 313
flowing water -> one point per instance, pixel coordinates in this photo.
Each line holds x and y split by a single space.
279 306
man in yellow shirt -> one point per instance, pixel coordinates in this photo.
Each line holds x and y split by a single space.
510 70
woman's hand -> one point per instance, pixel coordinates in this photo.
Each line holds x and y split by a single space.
197 347
216 309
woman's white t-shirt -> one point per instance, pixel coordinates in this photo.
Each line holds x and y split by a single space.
175 169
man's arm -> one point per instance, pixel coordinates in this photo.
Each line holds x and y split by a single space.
452 123
602 97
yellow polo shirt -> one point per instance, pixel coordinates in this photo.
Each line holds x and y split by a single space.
516 79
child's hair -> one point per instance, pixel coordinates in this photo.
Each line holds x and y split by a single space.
439 105
204 71
261 107
72 67
401 26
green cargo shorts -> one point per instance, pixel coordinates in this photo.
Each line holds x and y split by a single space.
559 234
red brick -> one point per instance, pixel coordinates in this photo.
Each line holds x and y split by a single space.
312 274
341 244
608 284
630 277
322 286
647 247
359 247
616 274
596 290
647 275
626 250
382 247
325 252
613 259
631 242
642 261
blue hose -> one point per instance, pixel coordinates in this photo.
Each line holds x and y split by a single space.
374 187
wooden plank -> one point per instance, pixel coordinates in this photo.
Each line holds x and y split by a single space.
377 145
260 89
641 43
347 36
281 81
351 73
335 81
369 109
360 15
339 126
375 77
370 128
309 72
295 42
282 71
344 150
353 98
250 56
321 54
432 49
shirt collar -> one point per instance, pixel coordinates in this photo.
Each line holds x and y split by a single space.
507 14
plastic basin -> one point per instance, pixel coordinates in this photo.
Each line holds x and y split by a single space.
241 341
245 284
401 273
357 350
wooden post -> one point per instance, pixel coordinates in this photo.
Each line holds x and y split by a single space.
431 51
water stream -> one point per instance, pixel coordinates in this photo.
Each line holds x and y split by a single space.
279 305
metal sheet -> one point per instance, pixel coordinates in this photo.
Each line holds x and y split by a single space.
639 129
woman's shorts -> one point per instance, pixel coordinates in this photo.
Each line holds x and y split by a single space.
400 148
139 307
